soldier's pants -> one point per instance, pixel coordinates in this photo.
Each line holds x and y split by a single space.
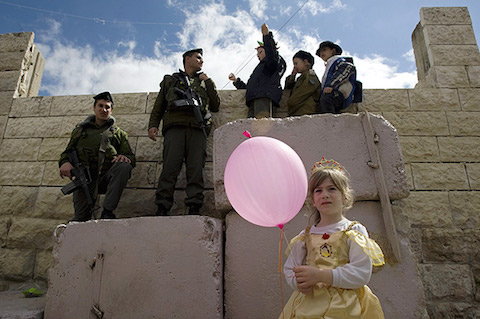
114 181
182 143
331 103
260 108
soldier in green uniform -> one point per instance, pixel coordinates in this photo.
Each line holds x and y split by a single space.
103 147
306 89
186 124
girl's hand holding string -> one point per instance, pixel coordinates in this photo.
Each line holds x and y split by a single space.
308 276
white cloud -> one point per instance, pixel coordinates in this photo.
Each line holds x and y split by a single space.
314 7
228 40
257 8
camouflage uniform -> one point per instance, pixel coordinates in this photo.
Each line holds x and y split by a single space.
183 138
304 95
108 178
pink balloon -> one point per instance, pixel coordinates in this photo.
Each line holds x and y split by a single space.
265 181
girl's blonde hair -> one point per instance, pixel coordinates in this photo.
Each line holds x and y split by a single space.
339 179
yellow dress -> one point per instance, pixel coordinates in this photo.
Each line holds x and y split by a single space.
332 302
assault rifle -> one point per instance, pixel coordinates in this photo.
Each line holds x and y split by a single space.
82 176
191 98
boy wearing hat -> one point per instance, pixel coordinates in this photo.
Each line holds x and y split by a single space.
305 91
184 136
103 148
263 87
338 81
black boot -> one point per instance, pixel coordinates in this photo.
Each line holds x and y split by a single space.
194 210
161 211
107 214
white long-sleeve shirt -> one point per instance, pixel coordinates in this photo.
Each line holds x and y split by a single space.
352 275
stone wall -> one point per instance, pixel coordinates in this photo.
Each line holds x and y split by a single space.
437 123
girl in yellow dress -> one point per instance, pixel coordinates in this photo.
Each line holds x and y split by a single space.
330 263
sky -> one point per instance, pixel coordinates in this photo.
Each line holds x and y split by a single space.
126 46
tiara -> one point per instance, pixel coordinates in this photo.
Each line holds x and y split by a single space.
326 164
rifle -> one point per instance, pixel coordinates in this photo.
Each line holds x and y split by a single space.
191 98
82 178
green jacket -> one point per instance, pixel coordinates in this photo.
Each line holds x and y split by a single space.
86 139
304 95
165 109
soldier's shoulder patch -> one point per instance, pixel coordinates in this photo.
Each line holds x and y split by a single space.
312 81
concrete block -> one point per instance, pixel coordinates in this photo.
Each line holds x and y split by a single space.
73 105
464 207
441 176
458 149
347 132
17 201
21 173
143 175
473 171
464 123
129 103
450 34
151 97
428 209
419 149
454 309
52 204
6 98
449 55
3 124
445 15
31 233
51 148
408 172
20 149
134 125
161 271
385 100
38 127
16 42
458 277
473 72
30 107
11 61
451 77
36 73
16 264
469 99
252 288
9 80
434 99
136 203
51 175
5 223
148 150
418 123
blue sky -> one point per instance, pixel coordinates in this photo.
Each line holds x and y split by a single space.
127 46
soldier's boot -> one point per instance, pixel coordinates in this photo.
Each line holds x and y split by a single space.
161 211
194 210
107 214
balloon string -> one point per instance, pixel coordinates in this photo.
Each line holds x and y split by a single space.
280 243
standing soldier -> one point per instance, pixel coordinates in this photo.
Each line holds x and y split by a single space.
103 149
184 104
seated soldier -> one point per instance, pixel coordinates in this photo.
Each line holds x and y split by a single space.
103 148
338 81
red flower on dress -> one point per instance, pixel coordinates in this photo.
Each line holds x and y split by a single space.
326 236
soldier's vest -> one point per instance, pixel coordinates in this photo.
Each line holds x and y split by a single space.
196 84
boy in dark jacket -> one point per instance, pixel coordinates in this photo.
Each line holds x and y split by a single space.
338 81
263 88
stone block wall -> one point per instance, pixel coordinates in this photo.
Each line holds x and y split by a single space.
437 123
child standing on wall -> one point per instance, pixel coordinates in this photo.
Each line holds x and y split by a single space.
338 81
306 90
330 263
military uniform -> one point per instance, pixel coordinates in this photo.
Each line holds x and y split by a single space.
183 137
304 95
96 147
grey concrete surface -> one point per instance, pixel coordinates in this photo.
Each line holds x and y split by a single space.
148 267
14 305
